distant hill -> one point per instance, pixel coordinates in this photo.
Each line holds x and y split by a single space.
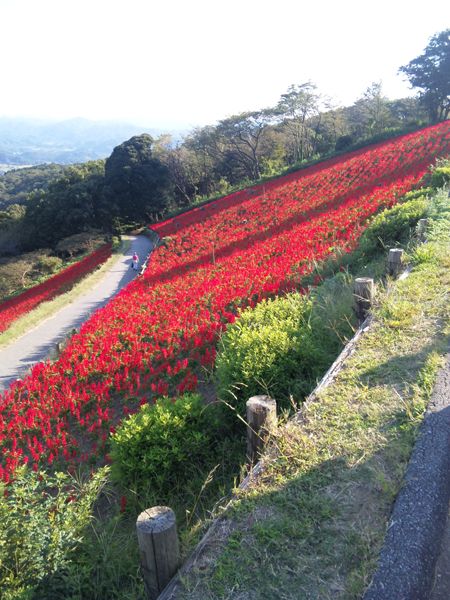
32 141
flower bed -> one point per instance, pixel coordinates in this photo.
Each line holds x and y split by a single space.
156 334
16 307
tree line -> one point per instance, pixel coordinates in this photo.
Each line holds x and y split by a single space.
146 178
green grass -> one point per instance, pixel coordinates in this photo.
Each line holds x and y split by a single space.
312 525
48 309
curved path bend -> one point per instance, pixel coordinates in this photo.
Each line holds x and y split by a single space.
39 343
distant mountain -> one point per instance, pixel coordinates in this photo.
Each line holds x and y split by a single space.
33 141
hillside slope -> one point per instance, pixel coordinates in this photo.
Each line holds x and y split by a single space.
311 522
214 260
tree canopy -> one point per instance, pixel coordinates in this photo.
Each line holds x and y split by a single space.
136 185
145 179
430 72
69 205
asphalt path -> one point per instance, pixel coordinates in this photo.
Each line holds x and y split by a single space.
40 342
417 536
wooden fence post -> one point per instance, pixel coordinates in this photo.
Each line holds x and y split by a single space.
261 419
363 294
159 548
395 261
422 229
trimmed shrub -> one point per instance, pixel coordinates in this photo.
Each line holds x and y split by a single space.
440 175
391 228
164 444
270 349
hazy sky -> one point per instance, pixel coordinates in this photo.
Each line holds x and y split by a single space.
191 62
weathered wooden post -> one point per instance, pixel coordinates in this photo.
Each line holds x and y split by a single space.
422 229
159 548
261 419
395 261
364 291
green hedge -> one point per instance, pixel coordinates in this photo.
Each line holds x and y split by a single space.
274 348
393 227
440 175
164 445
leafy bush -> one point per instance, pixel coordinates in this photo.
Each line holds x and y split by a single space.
50 264
42 521
391 228
441 175
105 565
270 349
164 445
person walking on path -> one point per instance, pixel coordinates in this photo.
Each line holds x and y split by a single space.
135 261
17 357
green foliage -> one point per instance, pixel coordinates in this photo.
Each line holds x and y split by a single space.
49 264
136 186
24 270
70 205
392 227
429 73
280 347
17 184
439 213
42 522
423 254
164 445
440 175
11 215
343 143
105 565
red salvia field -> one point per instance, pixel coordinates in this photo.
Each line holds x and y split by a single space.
153 337
16 307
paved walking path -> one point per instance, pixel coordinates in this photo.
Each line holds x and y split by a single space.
415 560
38 343
441 588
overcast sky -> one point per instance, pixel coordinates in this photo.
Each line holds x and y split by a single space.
181 63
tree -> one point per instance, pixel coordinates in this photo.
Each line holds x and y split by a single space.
242 136
69 205
406 111
185 168
137 185
297 107
370 114
430 73
333 129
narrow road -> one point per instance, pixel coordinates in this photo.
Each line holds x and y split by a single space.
38 343
441 588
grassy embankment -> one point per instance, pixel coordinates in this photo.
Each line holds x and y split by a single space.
312 525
